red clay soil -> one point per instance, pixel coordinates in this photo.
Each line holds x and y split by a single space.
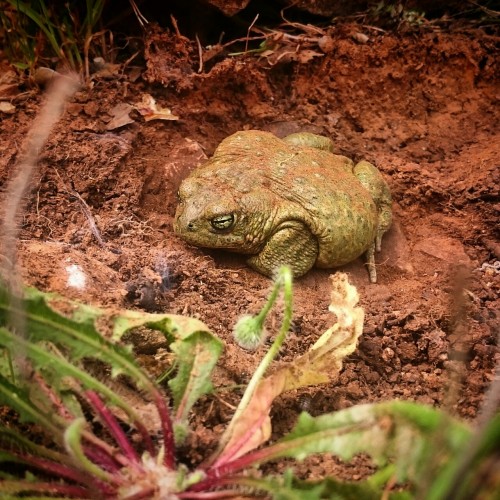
423 108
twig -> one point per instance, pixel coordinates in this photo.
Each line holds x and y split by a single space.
305 27
248 31
489 12
142 20
232 42
86 51
86 211
90 218
200 54
176 26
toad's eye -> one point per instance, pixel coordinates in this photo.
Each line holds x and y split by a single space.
222 222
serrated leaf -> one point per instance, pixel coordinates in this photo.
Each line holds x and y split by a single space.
18 399
332 489
14 397
173 326
13 437
197 355
44 323
403 432
197 349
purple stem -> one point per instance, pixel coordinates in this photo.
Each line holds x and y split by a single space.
66 472
146 438
215 475
168 434
102 458
53 468
113 426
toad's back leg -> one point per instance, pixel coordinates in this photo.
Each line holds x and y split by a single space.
372 180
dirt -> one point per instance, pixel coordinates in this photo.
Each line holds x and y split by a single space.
423 108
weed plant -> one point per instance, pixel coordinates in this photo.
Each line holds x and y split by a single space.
86 440
48 33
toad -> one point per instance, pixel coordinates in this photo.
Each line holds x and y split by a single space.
285 201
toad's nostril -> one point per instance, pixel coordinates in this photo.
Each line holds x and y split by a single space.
190 226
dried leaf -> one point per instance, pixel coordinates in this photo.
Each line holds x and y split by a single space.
8 90
286 54
360 37
120 114
151 111
7 108
304 56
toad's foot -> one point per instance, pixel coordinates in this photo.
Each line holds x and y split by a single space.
370 263
372 180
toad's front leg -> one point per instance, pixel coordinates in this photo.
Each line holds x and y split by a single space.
292 245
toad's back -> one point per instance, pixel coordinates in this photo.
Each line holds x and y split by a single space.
315 187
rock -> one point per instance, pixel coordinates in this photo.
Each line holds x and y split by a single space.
449 250
395 249
318 7
229 7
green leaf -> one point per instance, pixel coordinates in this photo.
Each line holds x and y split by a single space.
18 399
468 477
332 489
76 332
197 351
403 432
73 444
42 20
197 355
344 434
173 326
18 441
44 323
